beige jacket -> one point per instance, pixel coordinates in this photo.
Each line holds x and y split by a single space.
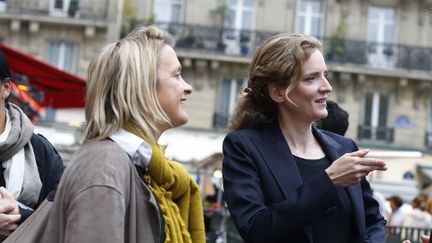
102 199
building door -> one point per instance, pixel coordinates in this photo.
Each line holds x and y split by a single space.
309 17
239 26
381 51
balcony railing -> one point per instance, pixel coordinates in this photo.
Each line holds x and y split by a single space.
382 134
86 10
242 43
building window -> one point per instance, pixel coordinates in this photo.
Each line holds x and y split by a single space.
239 26
62 54
309 19
228 94
63 8
2 5
381 51
168 11
375 124
428 137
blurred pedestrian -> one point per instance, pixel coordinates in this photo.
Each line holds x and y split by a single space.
399 210
119 186
418 217
285 180
30 166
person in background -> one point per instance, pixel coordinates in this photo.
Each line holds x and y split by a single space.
30 166
418 217
399 210
336 121
284 179
119 186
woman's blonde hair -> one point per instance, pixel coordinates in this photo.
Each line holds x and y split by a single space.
278 60
121 85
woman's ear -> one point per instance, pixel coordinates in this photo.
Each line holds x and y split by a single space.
276 93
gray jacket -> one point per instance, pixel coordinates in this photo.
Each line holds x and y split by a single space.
101 198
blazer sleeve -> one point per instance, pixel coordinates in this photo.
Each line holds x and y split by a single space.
260 219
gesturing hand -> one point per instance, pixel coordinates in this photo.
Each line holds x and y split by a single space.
352 167
9 212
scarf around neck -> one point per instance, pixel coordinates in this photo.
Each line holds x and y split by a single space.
18 139
178 196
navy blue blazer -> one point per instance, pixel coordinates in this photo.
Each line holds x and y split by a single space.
268 200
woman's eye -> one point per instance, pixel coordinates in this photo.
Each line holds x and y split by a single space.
310 78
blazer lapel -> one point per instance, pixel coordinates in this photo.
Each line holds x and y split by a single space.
333 151
280 161
278 158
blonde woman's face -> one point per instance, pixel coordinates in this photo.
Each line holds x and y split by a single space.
172 90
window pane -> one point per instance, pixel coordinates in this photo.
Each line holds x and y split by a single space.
53 53
232 2
249 3
368 110
316 26
316 6
175 14
389 31
383 111
302 5
301 24
58 4
69 59
160 10
247 20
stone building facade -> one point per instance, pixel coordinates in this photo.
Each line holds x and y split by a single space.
378 52
65 33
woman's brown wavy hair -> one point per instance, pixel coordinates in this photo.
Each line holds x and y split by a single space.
278 60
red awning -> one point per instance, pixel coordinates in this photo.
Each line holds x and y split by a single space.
61 89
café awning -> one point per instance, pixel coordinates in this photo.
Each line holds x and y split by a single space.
61 89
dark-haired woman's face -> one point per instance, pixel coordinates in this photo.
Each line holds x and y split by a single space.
310 94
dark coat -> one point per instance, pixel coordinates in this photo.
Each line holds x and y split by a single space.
269 201
50 168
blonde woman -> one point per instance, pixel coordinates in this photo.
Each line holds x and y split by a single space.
119 186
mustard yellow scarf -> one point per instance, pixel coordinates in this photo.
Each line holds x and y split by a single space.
178 195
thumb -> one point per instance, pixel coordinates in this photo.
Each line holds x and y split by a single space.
6 194
360 153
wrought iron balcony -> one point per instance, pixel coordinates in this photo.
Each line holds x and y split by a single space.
378 134
235 42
